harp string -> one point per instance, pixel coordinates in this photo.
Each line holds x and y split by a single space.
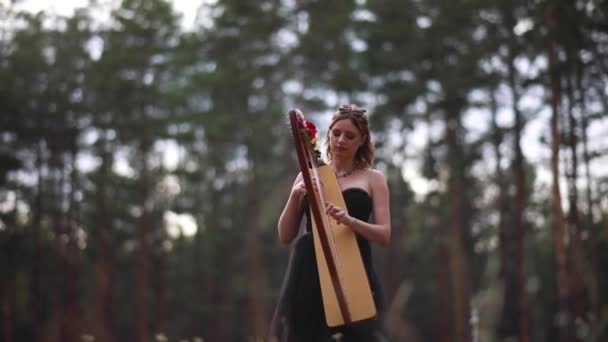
318 193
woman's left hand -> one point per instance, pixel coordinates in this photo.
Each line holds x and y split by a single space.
339 214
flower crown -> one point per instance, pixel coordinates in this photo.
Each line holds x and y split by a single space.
351 109
312 131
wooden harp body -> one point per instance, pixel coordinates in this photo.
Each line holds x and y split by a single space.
345 288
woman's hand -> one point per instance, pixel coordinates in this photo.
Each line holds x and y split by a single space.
339 214
299 188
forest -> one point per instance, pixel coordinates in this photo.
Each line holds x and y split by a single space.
144 164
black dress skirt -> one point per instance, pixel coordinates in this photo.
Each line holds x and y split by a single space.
299 315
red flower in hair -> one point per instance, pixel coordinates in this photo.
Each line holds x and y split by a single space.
311 128
312 132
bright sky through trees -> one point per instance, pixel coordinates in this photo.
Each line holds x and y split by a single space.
187 8
533 149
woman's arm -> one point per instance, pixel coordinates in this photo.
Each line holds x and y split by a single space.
289 222
380 230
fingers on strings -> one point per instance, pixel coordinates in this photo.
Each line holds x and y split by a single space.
336 212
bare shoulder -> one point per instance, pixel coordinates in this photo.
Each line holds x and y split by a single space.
298 178
376 181
375 176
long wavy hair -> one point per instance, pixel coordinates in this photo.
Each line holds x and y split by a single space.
364 157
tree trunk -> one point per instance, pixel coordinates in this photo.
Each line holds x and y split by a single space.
520 232
563 319
444 332
72 316
102 325
161 290
258 314
508 325
217 327
8 288
520 203
458 264
594 297
141 272
585 292
7 307
62 244
36 296
578 274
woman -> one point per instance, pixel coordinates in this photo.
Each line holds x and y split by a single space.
299 315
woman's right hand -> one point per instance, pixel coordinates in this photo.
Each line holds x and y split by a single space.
299 189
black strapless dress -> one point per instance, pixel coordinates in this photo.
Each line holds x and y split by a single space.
299 315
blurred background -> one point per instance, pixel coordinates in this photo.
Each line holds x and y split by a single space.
145 158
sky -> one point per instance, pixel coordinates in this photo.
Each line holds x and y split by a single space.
187 8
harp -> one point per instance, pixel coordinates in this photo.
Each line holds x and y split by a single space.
345 288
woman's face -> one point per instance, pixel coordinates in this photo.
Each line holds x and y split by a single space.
345 139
